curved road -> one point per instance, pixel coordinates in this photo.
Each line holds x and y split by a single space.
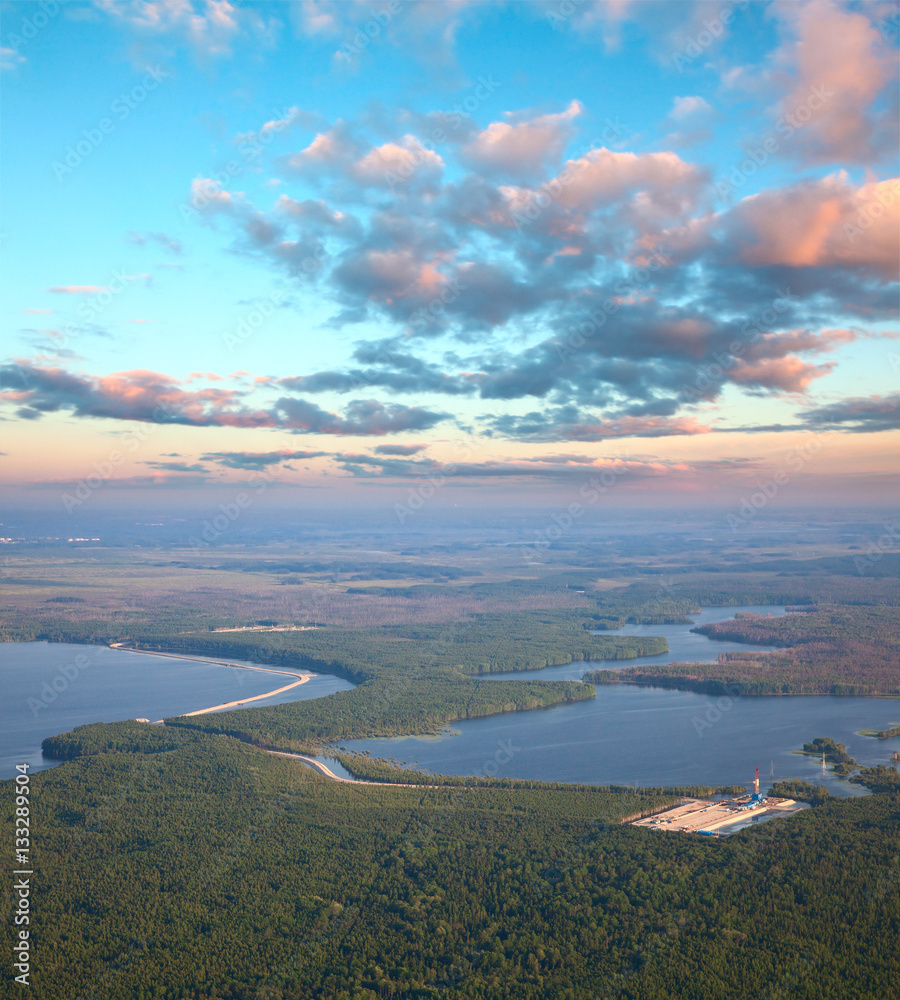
326 771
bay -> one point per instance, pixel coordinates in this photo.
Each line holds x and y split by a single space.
651 736
52 687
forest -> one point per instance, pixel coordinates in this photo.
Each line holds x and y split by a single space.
214 871
845 651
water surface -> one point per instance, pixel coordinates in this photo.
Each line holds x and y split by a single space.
52 687
652 736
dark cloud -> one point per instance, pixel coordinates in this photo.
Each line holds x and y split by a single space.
399 449
567 423
176 467
363 417
859 415
257 460
151 397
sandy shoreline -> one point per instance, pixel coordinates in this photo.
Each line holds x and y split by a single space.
300 678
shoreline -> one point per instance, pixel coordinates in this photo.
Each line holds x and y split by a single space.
300 679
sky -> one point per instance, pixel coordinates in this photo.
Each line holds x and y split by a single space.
402 252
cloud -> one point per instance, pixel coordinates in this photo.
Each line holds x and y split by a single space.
566 424
363 417
859 415
10 59
151 397
821 223
78 289
397 163
788 374
524 148
550 468
831 72
176 466
335 149
399 449
256 460
687 107
209 27
169 243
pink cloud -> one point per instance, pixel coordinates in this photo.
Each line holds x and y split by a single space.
835 67
789 373
825 223
78 289
400 162
524 147
603 176
151 397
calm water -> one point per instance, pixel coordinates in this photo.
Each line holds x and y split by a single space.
648 736
627 735
98 684
684 646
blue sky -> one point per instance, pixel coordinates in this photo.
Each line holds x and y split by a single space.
355 242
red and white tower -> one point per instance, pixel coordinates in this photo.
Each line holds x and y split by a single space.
756 782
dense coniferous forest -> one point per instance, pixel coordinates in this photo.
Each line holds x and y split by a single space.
851 651
215 871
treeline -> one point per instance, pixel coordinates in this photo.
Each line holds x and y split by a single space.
843 651
880 778
115 737
368 768
475 644
883 734
408 702
352 569
802 791
215 872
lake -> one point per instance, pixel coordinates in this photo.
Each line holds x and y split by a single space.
626 735
651 736
50 688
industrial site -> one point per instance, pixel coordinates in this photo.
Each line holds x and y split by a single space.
719 817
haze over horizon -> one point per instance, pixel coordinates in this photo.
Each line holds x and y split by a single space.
494 251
